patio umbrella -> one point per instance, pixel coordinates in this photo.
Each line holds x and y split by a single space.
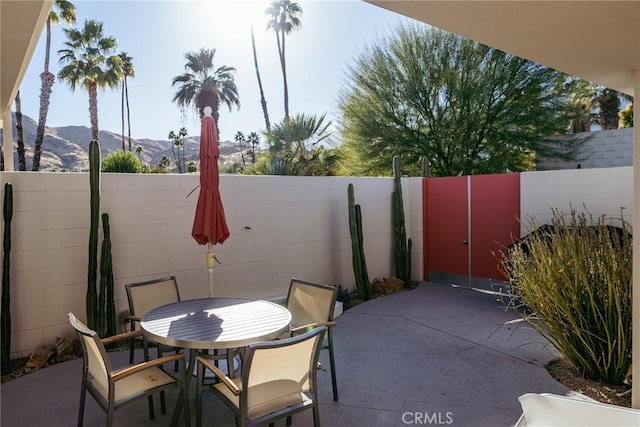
209 224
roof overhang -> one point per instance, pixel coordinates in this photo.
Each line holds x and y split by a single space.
598 41
21 23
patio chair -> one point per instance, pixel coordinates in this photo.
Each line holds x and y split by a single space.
278 379
115 388
311 305
547 409
145 296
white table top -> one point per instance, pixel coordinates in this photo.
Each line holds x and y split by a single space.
215 323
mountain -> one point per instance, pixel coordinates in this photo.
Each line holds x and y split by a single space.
67 147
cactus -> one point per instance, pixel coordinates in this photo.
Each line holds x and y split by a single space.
107 310
402 248
357 246
5 315
92 274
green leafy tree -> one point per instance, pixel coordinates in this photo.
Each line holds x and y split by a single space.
284 18
626 116
204 85
467 108
127 71
65 10
89 61
121 162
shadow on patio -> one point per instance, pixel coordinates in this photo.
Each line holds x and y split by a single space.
433 355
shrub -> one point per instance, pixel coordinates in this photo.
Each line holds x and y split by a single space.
121 162
575 281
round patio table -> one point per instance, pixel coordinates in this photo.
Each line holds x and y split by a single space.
215 323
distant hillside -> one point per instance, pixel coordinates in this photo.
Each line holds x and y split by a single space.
67 147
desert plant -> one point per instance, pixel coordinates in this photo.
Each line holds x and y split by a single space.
357 246
5 315
92 273
575 282
106 304
401 247
121 162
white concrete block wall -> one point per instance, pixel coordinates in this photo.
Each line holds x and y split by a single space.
600 191
602 149
281 227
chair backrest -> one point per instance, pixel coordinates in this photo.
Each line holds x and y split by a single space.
275 373
96 361
310 302
145 296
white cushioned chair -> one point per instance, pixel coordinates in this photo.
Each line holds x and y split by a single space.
311 305
113 388
278 379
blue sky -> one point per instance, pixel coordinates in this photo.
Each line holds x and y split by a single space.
157 34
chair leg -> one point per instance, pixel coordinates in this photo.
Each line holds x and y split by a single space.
289 420
200 380
332 362
163 404
83 393
185 397
110 414
132 345
316 416
152 416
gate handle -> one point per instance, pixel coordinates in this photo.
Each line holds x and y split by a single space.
464 242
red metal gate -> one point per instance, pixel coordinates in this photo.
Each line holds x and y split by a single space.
469 220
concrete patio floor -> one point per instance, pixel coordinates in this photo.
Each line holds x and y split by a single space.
433 355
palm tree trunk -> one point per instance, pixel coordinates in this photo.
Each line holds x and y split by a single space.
284 74
22 164
263 101
126 96
93 109
47 80
122 113
284 78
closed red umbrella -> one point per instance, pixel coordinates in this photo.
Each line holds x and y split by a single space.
209 224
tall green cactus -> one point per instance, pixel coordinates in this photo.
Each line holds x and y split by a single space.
357 246
107 309
5 315
402 247
92 273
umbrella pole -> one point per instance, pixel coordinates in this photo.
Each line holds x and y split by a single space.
211 262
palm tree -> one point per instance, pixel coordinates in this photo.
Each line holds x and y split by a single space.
240 139
89 60
254 140
608 101
67 11
22 164
127 71
284 18
204 85
263 101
